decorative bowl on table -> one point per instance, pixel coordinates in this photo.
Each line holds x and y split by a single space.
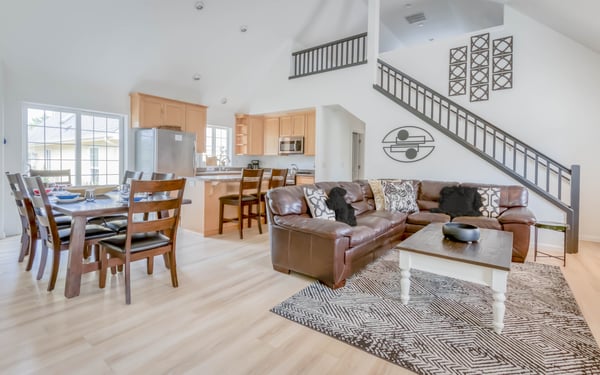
461 232
98 189
65 195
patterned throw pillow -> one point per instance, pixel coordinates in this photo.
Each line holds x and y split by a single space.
378 196
315 198
400 196
490 199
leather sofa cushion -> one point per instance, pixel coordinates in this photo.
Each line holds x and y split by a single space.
510 195
395 218
424 218
362 234
430 190
287 201
479 221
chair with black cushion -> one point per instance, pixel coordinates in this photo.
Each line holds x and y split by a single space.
118 223
56 176
277 179
248 196
55 239
145 239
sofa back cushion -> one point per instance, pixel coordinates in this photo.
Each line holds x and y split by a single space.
354 194
429 193
288 200
510 195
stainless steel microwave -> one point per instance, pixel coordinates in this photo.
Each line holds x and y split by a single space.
291 145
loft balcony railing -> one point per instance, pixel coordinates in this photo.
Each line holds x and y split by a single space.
550 179
340 54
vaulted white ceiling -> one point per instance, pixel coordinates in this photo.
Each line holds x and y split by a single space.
157 46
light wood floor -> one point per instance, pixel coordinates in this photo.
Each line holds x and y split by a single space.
216 322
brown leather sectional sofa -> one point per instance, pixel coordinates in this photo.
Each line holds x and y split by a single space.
331 251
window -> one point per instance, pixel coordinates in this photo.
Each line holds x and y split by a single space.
218 139
90 144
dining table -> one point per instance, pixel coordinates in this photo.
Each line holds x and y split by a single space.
103 205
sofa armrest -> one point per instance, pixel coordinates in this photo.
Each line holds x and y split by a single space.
318 227
517 215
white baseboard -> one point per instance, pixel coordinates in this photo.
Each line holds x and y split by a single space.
590 238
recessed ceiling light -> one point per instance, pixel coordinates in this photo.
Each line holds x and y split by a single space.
431 39
244 28
196 77
199 5
420 24
224 101
408 5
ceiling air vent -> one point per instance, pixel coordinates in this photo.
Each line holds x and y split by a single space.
417 17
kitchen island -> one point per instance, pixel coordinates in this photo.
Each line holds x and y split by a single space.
202 215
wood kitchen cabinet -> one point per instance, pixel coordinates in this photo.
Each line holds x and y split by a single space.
304 180
292 125
249 134
148 111
310 134
271 138
195 122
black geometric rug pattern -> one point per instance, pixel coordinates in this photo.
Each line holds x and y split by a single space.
446 328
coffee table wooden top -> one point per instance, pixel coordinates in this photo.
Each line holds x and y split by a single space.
494 248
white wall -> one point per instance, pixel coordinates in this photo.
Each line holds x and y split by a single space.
333 158
4 196
551 107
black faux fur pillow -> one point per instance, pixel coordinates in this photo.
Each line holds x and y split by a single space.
459 201
344 212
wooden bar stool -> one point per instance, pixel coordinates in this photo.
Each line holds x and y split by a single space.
248 196
555 226
277 179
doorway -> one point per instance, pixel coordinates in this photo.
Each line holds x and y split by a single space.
357 156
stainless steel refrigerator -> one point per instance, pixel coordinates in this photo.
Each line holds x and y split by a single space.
161 150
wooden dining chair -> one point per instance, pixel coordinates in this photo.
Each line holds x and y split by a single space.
56 176
145 238
277 179
106 220
29 232
248 196
55 239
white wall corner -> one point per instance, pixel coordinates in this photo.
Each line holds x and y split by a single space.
373 37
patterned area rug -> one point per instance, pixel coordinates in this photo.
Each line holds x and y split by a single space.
446 328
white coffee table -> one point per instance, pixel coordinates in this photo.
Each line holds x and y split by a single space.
484 262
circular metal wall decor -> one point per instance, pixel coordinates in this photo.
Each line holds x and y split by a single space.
408 144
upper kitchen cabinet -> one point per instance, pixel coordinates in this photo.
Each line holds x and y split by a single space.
271 138
148 111
195 122
249 134
292 125
310 134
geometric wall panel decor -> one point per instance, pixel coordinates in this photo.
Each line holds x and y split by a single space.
502 63
480 68
457 73
479 93
408 144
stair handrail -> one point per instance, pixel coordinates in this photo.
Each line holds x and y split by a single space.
528 153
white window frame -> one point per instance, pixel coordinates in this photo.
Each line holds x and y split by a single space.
78 113
229 140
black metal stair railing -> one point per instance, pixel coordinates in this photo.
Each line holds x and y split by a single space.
339 54
553 181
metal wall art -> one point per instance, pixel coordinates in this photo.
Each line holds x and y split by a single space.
502 63
408 144
458 71
481 71
480 68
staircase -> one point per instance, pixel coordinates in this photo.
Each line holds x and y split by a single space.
551 180
548 178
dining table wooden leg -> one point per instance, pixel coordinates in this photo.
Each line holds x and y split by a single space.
75 266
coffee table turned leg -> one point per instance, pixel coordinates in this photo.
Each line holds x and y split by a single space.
404 277
498 285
